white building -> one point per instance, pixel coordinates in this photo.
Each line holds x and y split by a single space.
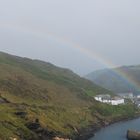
103 98
117 101
98 98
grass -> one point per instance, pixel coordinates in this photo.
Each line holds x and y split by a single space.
109 111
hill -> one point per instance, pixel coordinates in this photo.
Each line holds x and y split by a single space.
39 101
127 81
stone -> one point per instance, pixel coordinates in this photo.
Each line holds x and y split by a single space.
133 135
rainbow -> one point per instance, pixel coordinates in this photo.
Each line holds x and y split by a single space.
66 42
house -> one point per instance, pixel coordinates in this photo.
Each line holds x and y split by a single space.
103 98
106 99
117 101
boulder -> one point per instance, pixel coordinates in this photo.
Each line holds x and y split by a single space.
33 125
21 114
133 135
57 138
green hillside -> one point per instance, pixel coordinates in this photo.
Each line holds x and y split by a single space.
39 101
107 78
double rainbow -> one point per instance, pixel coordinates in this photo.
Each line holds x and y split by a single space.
66 42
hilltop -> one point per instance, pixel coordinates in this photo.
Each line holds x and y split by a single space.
127 81
39 100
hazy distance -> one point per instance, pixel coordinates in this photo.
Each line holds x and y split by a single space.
53 30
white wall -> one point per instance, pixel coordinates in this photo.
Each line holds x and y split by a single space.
117 102
98 99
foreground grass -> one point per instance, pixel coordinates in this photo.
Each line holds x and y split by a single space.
60 120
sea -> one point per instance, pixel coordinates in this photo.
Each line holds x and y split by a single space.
117 131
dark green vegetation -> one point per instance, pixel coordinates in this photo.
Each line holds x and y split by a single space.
39 99
115 111
127 81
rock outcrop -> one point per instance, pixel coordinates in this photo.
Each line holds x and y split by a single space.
133 135
57 138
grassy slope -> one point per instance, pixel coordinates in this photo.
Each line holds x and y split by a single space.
57 97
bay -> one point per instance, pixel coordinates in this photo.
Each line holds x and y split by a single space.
117 131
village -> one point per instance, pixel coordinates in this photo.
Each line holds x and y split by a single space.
120 98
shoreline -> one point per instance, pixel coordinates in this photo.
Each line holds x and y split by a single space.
91 131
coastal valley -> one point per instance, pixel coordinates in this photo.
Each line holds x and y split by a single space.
40 101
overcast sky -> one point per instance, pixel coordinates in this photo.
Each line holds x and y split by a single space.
51 30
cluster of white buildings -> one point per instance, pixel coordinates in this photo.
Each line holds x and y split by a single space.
116 100
135 99
121 98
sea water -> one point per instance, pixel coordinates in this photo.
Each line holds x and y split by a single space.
117 131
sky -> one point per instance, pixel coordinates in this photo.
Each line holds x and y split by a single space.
82 35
